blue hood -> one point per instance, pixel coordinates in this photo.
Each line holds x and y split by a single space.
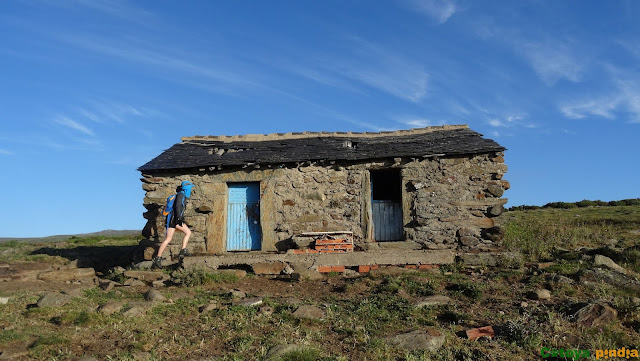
186 188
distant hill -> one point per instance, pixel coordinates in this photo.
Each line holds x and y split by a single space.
59 238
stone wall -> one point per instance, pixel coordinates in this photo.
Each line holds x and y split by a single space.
448 202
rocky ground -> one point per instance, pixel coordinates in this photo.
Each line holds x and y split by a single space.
576 300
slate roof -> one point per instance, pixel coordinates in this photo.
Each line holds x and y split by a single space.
223 151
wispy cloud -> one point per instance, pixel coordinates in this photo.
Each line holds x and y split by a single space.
438 10
165 63
5 152
74 125
371 65
553 60
114 8
623 100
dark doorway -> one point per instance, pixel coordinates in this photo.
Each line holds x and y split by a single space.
386 204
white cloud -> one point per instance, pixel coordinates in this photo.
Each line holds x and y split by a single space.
553 61
438 10
72 124
5 152
622 100
496 123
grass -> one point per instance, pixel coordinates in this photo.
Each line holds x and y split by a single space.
361 312
539 234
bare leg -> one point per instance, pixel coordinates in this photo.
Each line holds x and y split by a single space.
167 240
187 233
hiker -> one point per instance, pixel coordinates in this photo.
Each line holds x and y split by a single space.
175 220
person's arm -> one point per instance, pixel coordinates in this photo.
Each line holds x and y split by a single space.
178 208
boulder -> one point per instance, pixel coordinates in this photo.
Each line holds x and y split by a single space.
539 294
154 296
434 300
269 268
603 261
54 300
64 275
428 339
237 294
309 312
110 307
595 314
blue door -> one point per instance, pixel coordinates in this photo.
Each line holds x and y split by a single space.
243 217
387 220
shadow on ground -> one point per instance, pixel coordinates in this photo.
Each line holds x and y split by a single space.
100 258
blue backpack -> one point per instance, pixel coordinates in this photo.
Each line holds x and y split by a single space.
168 208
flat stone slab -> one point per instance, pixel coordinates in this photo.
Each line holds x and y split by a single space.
432 301
383 257
148 276
248 302
65 275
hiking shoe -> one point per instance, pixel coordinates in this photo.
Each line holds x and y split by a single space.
185 253
157 262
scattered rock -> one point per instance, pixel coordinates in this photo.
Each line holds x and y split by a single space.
74 292
429 339
266 310
141 356
54 300
432 301
144 265
539 294
268 268
213 305
603 261
309 312
65 275
237 294
4 300
110 307
107 285
276 352
477 333
309 275
556 278
595 314
248 302
134 311
148 276
154 296
134 282
86 358
158 284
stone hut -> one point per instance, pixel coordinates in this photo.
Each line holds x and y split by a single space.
431 188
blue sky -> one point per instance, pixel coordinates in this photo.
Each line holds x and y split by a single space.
93 89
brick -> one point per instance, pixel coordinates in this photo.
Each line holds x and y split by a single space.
411 266
324 269
337 269
364 269
476 333
374 266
